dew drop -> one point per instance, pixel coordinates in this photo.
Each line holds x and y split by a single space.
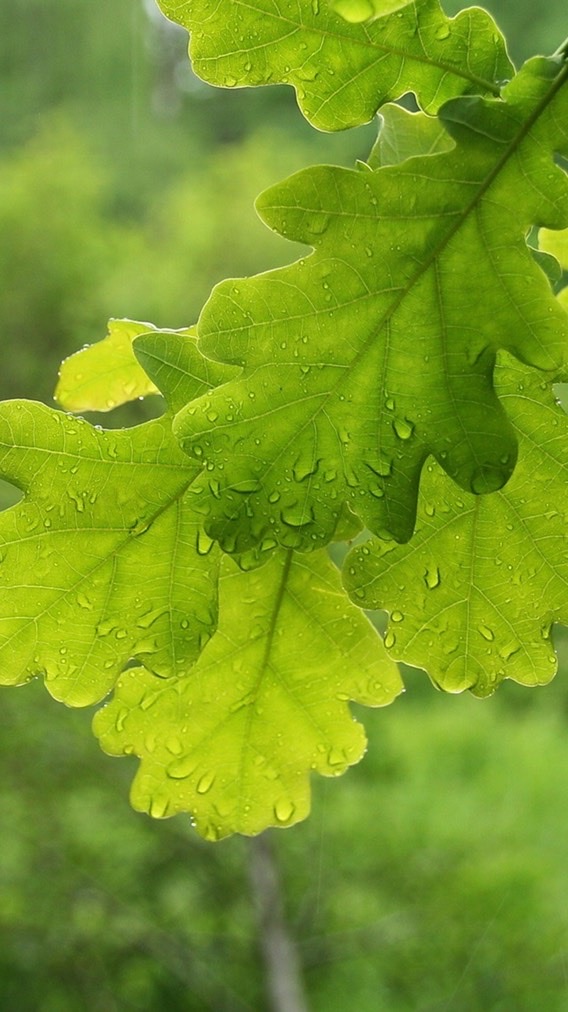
284 810
205 783
403 428
509 650
174 745
159 805
120 719
203 543
337 758
487 478
486 632
296 516
317 223
432 577
182 768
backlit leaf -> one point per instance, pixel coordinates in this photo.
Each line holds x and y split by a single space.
555 243
343 72
379 348
473 596
234 742
106 374
404 134
363 10
104 559
180 372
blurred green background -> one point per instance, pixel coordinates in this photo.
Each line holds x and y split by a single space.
433 876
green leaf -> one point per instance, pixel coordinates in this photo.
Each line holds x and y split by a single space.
356 11
104 559
473 596
105 375
235 741
172 360
404 134
378 349
556 244
343 72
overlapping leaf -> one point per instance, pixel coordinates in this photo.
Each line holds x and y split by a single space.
556 244
404 134
342 72
379 348
235 741
473 596
106 374
104 558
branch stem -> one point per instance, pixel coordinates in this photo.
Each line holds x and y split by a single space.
282 970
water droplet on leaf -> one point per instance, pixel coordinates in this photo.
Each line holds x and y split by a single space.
284 810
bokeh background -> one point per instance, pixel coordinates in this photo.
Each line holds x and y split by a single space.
433 877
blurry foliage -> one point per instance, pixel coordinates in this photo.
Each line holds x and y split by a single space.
435 879
55 254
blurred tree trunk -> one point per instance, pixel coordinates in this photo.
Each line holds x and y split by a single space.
282 970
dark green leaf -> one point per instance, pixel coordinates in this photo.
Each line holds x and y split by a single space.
378 349
473 596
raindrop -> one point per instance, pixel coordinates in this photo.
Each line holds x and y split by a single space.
508 650
284 810
205 783
296 516
403 428
182 768
203 543
317 223
159 805
487 478
432 577
336 757
120 719
486 632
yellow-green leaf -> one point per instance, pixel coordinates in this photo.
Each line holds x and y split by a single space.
235 741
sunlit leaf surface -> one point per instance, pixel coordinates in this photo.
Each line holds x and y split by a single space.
342 72
404 134
104 559
105 375
473 596
234 742
363 10
379 348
